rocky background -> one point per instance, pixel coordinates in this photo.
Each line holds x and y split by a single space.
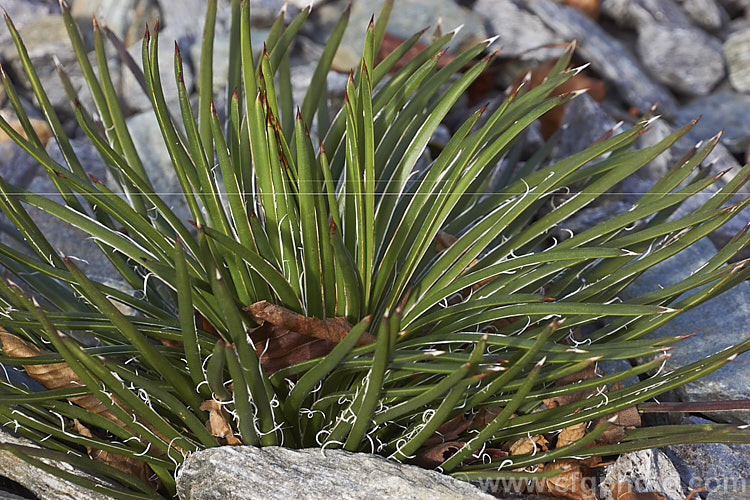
686 57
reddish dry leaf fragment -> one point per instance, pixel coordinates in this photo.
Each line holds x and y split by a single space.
54 375
278 348
129 465
451 429
629 418
571 434
40 127
624 491
206 325
444 241
588 7
525 446
432 457
576 482
285 337
553 119
587 373
486 415
334 329
218 422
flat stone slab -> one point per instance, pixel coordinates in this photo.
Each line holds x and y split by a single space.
270 473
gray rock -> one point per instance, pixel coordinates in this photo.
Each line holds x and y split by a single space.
67 239
737 53
646 471
126 18
302 75
221 55
659 166
520 31
264 12
7 495
607 55
585 122
718 160
279 473
616 366
177 22
684 58
717 324
734 495
734 6
590 217
707 14
150 144
17 376
22 12
42 484
722 468
727 111
133 95
42 39
633 13
16 166
408 17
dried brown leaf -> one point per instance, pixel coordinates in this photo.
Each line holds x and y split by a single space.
444 241
436 455
486 415
218 422
571 434
553 119
128 465
629 418
54 375
587 373
333 329
285 337
526 445
40 127
576 482
278 347
451 429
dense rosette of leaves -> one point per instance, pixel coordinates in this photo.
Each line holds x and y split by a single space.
306 304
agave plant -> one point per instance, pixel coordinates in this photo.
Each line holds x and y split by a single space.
306 303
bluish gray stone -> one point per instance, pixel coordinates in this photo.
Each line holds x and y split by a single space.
682 57
520 31
585 122
409 16
716 325
737 53
722 468
707 14
608 56
634 13
727 111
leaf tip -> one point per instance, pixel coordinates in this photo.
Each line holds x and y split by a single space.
491 40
